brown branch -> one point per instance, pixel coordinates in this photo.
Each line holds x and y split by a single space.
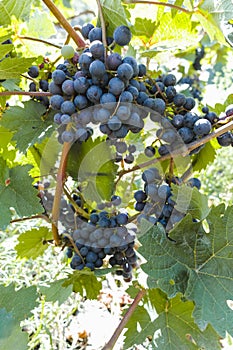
158 3
181 151
110 344
65 24
44 217
61 175
39 40
26 93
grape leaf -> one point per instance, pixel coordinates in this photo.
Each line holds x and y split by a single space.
11 335
204 157
13 67
18 303
5 33
5 49
11 84
114 14
18 8
221 12
169 323
40 25
198 260
143 27
221 107
32 243
56 291
178 3
190 200
35 125
7 149
182 34
92 162
85 283
16 191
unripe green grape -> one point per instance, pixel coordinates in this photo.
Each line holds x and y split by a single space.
67 51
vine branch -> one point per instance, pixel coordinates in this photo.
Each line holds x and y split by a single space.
44 217
26 93
64 23
61 175
103 26
181 151
110 344
158 3
39 40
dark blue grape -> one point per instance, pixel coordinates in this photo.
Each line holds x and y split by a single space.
186 134
76 261
149 151
129 158
169 80
122 219
194 182
141 70
133 63
85 30
190 103
83 251
32 87
122 35
44 85
114 123
67 136
58 76
133 90
202 127
81 135
125 72
57 118
189 119
81 85
113 61
94 93
91 257
97 49
67 107
140 196
225 139
69 252
54 88
95 34
178 121
126 96
212 117
65 119
179 100
85 60
164 191
80 102
68 87
56 101
116 200
33 72
159 106
170 92
108 100
116 86
123 112
97 69
121 147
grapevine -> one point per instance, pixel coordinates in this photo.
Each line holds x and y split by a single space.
130 142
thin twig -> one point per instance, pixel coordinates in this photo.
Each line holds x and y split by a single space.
58 191
103 26
26 93
125 319
39 40
44 217
158 3
65 24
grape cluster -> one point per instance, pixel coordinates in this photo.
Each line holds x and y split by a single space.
155 203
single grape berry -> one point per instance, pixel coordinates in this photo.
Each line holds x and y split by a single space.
122 35
33 72
67 51
149 151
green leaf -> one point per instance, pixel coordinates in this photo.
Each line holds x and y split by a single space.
198 264
13 67
35 126
209 25
221 107
205 157
169 324
143 27
56 291
18 303
11 335
16 191
5 49
221 12
211 283
178 3
190 200
5 33
114 14
85 283
40 25
7 150
32 243
17 8
11 84
181 36
92 162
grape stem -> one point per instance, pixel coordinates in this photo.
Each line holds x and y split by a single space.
65 24
183 151
110 344
39 40
61 177
158 3
26 93
103 26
